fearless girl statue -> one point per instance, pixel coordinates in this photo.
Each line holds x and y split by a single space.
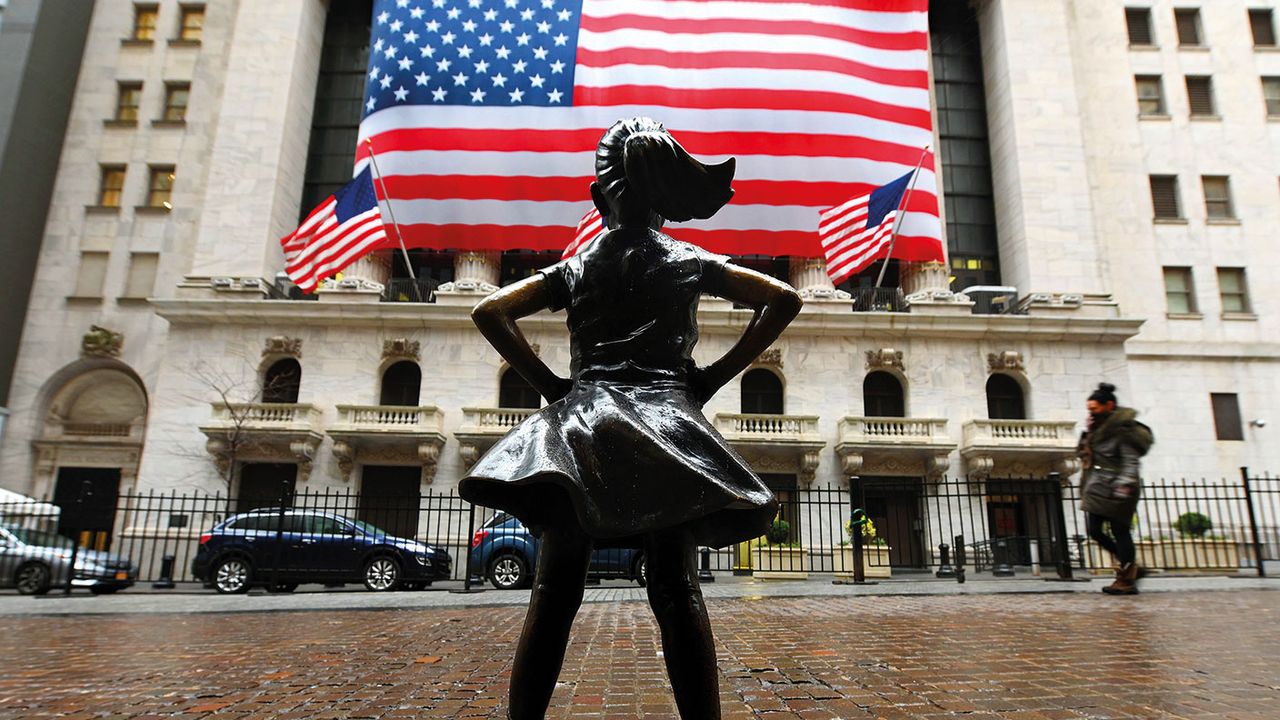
622 455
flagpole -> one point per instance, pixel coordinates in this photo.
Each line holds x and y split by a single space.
373 160
897 220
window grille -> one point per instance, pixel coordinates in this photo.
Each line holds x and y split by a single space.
1164 197
1200 95
1187 21
1226 416
1263 27
1139 22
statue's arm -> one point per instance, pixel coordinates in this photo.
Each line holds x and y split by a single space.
775 303
496 318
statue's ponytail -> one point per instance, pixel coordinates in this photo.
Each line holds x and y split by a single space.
641 168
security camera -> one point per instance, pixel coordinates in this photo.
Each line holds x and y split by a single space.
1259 423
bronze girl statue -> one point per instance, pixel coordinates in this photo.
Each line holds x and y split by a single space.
622 455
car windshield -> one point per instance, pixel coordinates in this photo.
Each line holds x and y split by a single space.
41 538
498 519
368 529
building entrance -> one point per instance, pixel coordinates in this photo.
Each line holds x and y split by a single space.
894 505
390 497
265 485
87 498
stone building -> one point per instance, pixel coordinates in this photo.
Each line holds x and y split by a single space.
1109 174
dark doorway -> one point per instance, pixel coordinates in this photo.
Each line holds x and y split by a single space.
1004 399
265 485
87 500
390 497
784 487
281 381
893 504
882 395
401 384
1020 512
516 392
761 393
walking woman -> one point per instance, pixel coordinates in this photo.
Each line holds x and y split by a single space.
623 456
1110 450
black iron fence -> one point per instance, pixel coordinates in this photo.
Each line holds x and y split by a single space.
879 299
872 527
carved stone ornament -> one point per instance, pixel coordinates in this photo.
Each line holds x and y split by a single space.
1007 360
396 348
936 466
771 357
851 464
305 452
808 469
101 342
429 456
980 466
885 358
283 345
345 454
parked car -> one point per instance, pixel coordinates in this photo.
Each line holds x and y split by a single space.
253 548
33 561
504 551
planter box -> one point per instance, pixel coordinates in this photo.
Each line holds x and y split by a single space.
875 562
1196 554
771 562
1149 555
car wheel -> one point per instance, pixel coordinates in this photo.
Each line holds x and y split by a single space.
232 575
33 579
382 573
641 572
104 589
508 571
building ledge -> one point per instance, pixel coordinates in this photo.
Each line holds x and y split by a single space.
264 431
893 446
775 443
1019 448
482 427
388 434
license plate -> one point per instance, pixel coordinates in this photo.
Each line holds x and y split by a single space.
122 575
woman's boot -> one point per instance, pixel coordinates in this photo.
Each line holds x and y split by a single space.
1126 582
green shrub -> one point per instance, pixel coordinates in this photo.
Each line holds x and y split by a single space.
779 532
1193 524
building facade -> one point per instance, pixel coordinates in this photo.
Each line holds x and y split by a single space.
1120 226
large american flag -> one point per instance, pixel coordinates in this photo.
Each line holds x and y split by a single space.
485 114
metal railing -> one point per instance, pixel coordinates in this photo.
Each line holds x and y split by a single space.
882 299
409 290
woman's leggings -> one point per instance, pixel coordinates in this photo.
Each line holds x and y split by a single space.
1121 546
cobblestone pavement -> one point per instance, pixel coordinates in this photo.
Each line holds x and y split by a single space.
1018 657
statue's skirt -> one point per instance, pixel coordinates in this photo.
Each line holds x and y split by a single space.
632 459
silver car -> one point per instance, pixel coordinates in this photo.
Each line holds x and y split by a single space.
33 561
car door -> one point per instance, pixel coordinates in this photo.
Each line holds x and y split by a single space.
323 547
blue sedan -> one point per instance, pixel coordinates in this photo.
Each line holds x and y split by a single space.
504 551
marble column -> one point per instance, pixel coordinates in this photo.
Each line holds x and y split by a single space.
809 278
361 281
473 272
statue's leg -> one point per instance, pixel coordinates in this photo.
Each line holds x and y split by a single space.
687 644
557 593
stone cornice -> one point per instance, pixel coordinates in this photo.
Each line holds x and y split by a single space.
816 319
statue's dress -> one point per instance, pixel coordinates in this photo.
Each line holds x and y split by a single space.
628 444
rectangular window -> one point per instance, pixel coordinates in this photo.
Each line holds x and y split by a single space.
111 186
1139 22
1188 22
1264 29
1233 290
93 271
142 275
1217 197
1164 197
1271 93
192 26
1200 95
144 22
176 96
128 98
160 187
1226 416
1179 292
1150 95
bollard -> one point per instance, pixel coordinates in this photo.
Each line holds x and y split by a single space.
959 544
1078 539
944 562
704 572
1035 557
166 574
1002 569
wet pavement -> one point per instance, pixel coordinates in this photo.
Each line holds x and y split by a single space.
1186 654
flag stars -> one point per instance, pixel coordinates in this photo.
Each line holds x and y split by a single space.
519 66
370 105
385 82
561 39
395 26
554 96
490 15
439 94
522 39
557 67
384 17
401 94
474 3
544 27
517 95
427 51
469 26
373 74
390 52
499 80
540 53
443 64
417 13
506 26
453 13
503 53
548 4
422 78
448 38
433 26
477 95
437 4
402 3
460 79
513 4
465 51
564 15
411 37
377 46
526 14
482 67
486 40
405 63
537 81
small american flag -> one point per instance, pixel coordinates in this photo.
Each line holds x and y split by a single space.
858 233
590 226
485 114
341 230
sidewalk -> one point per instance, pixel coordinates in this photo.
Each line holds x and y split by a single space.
191 598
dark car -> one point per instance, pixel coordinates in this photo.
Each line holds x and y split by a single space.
312 547
33 561
504 551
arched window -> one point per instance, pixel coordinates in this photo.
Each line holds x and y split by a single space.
1004 399
882 395
761 392
516 392
401 384
281 381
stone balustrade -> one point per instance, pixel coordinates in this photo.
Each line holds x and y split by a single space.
1052 433
494 420
266 415
893 430
395 418
754 426
894 445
